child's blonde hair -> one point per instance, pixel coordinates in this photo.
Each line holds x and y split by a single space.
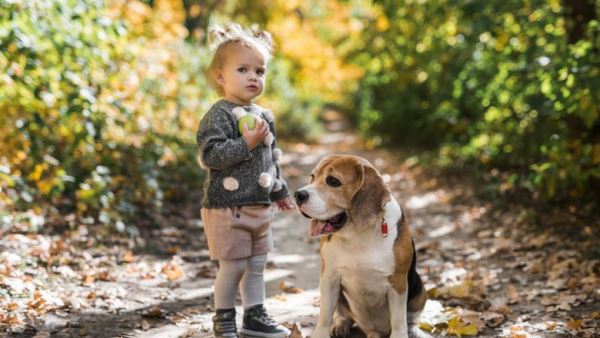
222 39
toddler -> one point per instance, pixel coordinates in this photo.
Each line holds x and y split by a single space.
237 149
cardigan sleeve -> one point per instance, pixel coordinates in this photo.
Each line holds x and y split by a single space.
283 192
220 145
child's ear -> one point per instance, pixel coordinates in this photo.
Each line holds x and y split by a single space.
219 77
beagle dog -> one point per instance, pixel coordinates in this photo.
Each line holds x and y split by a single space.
368 258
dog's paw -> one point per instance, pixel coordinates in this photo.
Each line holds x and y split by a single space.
399 334
341 328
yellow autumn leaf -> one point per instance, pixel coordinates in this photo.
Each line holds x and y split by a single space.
37 172
10 182
45 186
426 327
462 290
382 24
457 327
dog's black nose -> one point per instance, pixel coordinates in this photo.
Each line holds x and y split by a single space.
301 196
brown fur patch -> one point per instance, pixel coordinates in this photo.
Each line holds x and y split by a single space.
347 170
322 242
403 251
372 195
418 303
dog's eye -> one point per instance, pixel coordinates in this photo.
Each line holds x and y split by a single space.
332 181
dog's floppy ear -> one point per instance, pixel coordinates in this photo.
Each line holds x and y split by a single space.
368 201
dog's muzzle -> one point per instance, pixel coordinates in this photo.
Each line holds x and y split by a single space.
301 197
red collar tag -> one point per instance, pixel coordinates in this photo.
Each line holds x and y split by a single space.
384 229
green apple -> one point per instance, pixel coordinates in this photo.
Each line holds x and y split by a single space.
246 119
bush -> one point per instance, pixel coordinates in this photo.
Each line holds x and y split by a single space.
98 118
500 85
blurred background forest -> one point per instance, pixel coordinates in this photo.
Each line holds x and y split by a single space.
100 100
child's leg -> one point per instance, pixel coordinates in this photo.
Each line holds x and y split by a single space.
252 286
226 286
257 323
227 282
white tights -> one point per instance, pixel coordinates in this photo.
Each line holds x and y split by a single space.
245 273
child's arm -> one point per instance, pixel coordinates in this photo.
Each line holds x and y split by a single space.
278 196
220 146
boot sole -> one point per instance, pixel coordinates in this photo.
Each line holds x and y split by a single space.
256 334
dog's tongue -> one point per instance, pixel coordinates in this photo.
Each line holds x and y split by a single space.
318 228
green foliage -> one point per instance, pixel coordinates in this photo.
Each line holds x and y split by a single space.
494 84
100 100
296 115
79 129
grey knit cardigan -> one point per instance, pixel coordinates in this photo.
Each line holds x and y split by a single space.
236 176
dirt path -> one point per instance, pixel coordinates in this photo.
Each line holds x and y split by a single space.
483 267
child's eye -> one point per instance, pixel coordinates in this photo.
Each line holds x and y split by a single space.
260 72
242 69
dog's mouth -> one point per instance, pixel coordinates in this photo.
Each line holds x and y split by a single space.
329 226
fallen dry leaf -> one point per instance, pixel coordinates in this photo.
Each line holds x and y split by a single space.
153 312
493 319
512 294
280 297
462 290
452 321
88 279
574 324
289 288
128 257
457 327
296 332
172 271
105 276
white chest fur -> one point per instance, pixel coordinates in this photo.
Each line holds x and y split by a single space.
364 258
362 262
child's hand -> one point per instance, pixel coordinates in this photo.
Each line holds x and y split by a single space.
285 204
257 135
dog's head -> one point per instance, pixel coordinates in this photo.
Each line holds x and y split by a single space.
344 191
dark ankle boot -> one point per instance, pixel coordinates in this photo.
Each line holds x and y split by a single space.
224 324
257 323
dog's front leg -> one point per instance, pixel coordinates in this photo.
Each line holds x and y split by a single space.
329 286
397 304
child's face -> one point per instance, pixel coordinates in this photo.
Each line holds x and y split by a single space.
242 76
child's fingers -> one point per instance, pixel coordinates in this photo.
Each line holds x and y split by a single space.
263 132
264 126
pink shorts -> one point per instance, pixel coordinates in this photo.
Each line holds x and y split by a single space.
238 232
